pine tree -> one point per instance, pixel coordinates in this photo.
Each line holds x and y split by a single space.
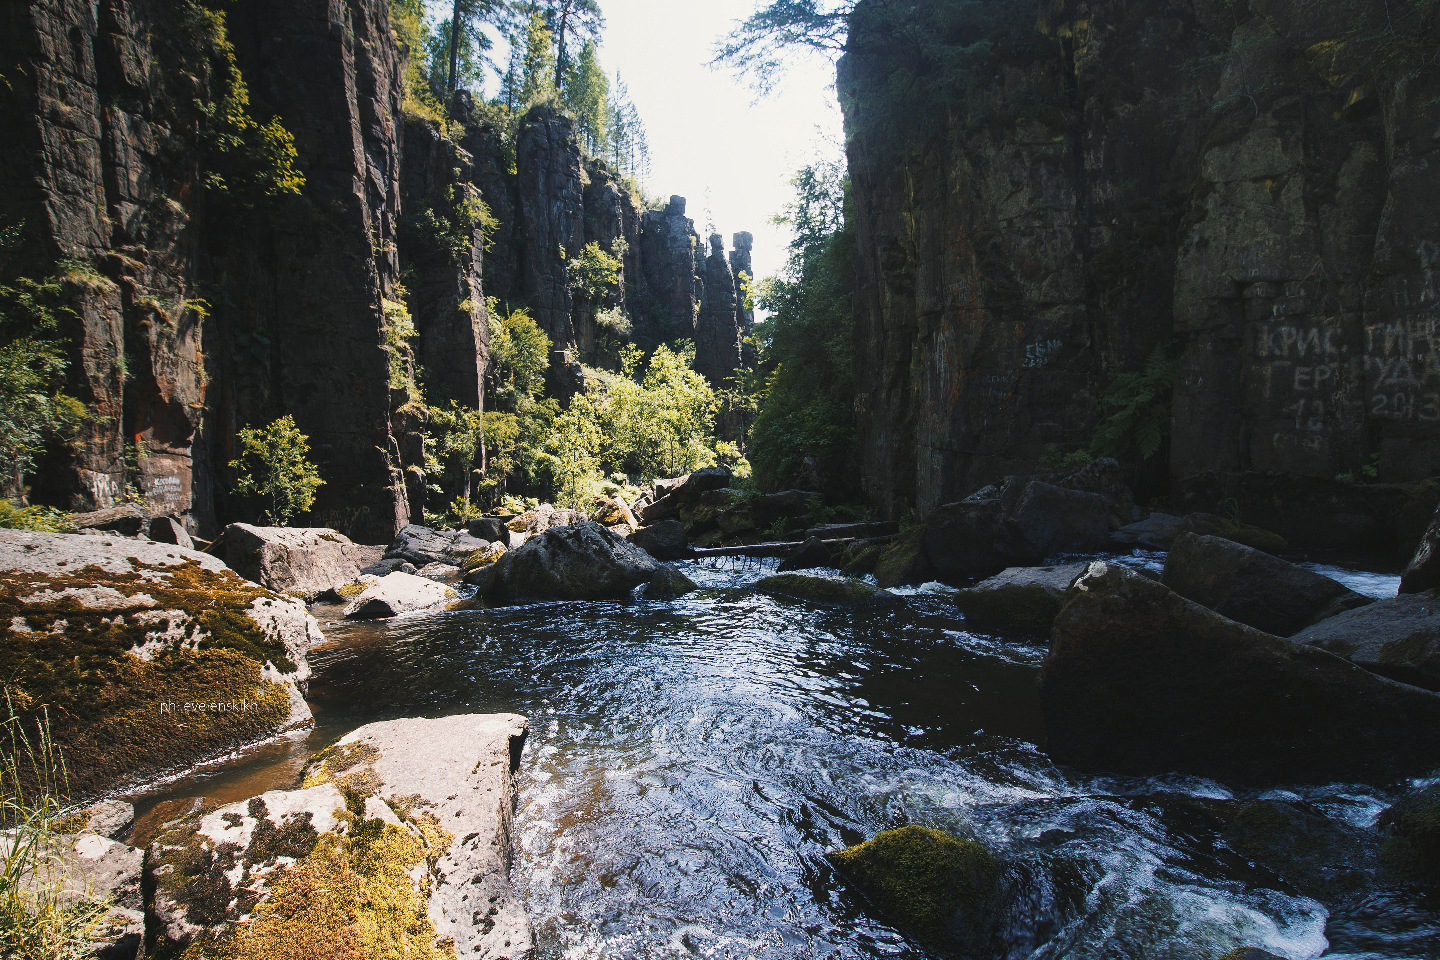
537 62
587 99
572 19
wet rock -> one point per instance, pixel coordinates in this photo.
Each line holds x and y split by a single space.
810 554
1397 637
1210 525
1423 571
663 541
1320 856
1156 532
163 631
824 590
170 530
903 560
1412 827
1250 953
1026 598
301 560
1140 680
395 594
125 519
456 775
1054 520
933 886
583 561
1252 587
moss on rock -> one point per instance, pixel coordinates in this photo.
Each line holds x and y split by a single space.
847 593
902 560
1413 847
934 886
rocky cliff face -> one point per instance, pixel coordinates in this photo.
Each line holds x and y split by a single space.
201 310
1238 184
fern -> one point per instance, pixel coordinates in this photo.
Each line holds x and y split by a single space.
1137 409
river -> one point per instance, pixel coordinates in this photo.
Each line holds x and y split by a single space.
691 762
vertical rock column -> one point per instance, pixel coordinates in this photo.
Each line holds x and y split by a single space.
740 263
717 330
666 310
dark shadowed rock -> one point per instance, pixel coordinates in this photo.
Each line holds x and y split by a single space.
1106 477
963 540
1423 570
1140 680
1250 586
903 560
685 493
825 590
169 530
663 541
580 562
812 553
1397 637
1027 598
1052 520
1211 525
125 518
493 529
1156 531
1320 856
1413 826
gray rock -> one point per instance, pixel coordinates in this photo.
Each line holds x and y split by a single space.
1105 477
1397 638
810 554
580 562
462 546
1140 680
95 867
1026 598
493 529
301 560
684 493
1156 532
421 545
1053 520
1423 571
845 531
460 770
439 571
109 818
960 541
381 567
1252 587
395 594
169 530
663 541
826 591
125 519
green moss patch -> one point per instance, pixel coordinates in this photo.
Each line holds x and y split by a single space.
114 715
902 560
348 766
1413 847
932 885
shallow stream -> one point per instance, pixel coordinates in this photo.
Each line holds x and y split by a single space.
691 762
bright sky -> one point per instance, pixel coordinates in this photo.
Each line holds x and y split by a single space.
708 143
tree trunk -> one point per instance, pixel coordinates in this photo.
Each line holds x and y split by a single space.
560 48
454 52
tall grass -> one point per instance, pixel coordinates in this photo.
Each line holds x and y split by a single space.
45 911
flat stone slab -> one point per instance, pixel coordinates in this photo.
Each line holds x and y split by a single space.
1397 638
395 594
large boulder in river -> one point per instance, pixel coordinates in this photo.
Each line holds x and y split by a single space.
146 656
1253 587
663 541
1053 520
421 545
1140 680
671 496
1398 637
827 591
580 562
396 594
1025 598
396 845
303 560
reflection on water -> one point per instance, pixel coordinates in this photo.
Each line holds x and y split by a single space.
691 762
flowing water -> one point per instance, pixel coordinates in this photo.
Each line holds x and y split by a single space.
691 762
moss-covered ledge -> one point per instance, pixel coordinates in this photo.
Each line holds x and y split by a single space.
145 657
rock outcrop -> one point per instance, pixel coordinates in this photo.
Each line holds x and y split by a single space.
1140 680
1025 598
146 656
1111 178
303 560
396 594
1397 638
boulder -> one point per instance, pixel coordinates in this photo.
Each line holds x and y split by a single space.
663 541
381 567
1398 637
482 557
1211 525
809 555
421 545
1140 680
792 506
1155 532
88 867
493 529
1053 520
147 656
125 519
170 530
1105 477
395 594
1423 571
580 562
1025 598
852 531
825 590
684 491
537 521
1320 856
614 512
109 818
1253 587
903 560
935 887
1412 825
462 547
962 541
443 572
306 561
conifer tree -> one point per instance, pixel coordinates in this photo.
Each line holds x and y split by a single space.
587 98
537 60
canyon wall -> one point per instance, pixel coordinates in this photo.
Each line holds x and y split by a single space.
204 303
1243 186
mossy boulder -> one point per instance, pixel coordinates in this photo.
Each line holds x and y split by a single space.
935 887
146 657
1023 598
1319 856
824 590
903 560
1398 637
1211 525
1412 826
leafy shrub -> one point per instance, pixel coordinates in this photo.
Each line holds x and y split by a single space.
13 516
594 274
1138 411
273 464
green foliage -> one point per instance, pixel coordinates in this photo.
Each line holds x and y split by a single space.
517 420
594 274
1053 459
247 161
806 397
519 354
586 98
537 61
273 464
1138 411
35 412
449 230
629 148
399 331
40 916
763 45
412 30
454 443
13 516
